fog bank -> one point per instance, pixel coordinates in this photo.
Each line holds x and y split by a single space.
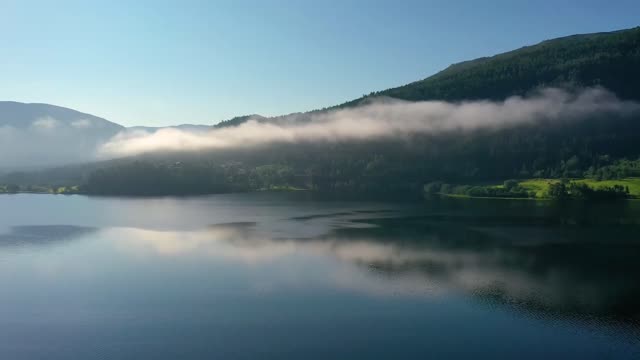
380 119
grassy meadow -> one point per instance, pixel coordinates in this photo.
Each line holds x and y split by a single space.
541 186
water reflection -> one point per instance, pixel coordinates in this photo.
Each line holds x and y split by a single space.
310 280
584 272
569 271
38 235
231 241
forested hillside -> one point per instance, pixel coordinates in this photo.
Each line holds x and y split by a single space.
611 60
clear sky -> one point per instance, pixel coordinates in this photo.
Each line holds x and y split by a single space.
170 62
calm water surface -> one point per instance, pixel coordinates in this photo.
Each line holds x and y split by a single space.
282 276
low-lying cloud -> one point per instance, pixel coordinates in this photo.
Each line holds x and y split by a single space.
47 142
383 118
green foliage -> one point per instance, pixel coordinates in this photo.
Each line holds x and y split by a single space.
239 120
510 184
38 189
562 189
12 188
575 190
187 178
611 60
609 170
511 191
146 178
558 190
434 188
272 176
541 187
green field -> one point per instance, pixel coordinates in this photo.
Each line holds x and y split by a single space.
540 186
532 188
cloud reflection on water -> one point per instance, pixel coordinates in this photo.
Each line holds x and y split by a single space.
406 259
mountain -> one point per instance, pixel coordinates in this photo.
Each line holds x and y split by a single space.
240 119
27 115
34 135
608 59
596 145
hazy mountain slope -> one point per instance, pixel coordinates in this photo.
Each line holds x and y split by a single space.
35 135
24 115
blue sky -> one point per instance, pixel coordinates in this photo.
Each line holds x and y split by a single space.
170 62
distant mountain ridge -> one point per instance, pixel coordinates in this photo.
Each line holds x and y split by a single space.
23 115
36 135
49 135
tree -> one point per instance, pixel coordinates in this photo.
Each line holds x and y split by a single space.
557 190
510 184
432 188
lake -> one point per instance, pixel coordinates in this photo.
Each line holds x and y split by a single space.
285 276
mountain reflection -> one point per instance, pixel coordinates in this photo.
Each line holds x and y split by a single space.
581 271
568 270
37 235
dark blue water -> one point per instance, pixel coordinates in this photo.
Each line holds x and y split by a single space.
283 276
